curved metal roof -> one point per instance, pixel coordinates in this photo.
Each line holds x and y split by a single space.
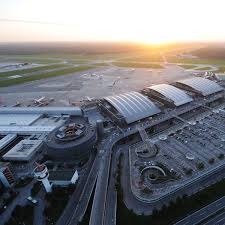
133 106
178 96
204 86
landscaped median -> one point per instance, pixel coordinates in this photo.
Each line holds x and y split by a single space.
20 80
138 65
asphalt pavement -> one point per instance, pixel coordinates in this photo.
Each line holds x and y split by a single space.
204 213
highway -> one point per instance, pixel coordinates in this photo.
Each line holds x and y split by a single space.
98 207
78 202
209 211
218 219
99 212
111 201
85 195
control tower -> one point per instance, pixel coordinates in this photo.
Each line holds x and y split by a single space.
41 174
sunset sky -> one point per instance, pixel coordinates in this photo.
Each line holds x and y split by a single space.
148 21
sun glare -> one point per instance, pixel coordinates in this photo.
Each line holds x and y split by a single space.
144 21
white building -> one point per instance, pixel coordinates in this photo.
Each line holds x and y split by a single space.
23 151
63 178
41 174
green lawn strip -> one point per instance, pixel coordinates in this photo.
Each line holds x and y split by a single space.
32 59
145 58
187 66
21 80
138 65
30 70
221 69
173 59
100 64
204 68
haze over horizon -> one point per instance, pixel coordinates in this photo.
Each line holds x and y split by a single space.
144 21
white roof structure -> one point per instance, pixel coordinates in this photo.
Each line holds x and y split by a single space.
133 106
176 95
23 151
26 129
18 119
6 140
220 76
76 111
204 86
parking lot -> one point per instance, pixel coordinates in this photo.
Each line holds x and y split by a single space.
189 151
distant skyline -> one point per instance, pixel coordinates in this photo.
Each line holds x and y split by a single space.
145 21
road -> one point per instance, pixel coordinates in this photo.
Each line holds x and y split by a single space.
202 214
218 220
39 218
111 200
78 202
98 207
85 195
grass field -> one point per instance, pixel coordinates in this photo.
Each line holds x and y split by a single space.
145 58
174 59
221 69
138 65
187 66
31 70
66 71
39 59
73 58
100 64
204 68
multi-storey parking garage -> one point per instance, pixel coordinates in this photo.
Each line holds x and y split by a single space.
73 141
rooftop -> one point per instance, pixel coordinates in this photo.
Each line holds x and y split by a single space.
178 96
76 111
204 86
18 119
63 175
23 151
133 106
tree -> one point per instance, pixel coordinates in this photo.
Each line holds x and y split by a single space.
211 161
200 166
221 156
36 188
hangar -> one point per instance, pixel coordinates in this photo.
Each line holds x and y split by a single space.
132 106
200 86
168 94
